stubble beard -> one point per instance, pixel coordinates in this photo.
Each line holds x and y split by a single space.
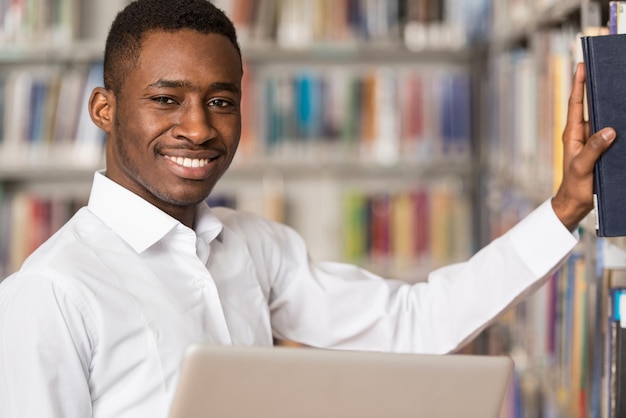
129 168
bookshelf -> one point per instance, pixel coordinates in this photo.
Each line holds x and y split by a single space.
303 167
316 165
561 336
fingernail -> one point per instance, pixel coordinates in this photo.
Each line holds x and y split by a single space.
608 134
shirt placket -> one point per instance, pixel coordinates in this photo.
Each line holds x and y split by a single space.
203 282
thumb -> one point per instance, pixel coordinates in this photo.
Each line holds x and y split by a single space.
596 145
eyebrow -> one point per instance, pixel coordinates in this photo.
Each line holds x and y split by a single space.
164 83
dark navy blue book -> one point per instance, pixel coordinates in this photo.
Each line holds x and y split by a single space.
605 62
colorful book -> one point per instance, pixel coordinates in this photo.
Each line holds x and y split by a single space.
617 17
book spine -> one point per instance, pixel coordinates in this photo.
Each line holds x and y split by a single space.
5 231
613 5
593 123
620 25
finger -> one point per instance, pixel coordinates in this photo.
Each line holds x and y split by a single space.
596 145
575 115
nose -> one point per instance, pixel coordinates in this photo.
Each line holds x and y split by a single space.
194 124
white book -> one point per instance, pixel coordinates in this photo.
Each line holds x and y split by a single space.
89 139
71 98
16 116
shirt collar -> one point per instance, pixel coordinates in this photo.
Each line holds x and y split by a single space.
137 221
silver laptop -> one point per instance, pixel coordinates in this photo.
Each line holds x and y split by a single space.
285 382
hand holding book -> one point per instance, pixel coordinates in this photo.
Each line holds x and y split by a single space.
605 58
574 198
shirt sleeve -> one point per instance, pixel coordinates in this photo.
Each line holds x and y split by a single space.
44 360
341 306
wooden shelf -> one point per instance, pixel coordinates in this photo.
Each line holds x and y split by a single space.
510 33
392 52
57 170
396 52
43 53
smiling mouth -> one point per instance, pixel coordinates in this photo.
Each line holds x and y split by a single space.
190 162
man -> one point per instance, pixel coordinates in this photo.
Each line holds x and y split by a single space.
96 321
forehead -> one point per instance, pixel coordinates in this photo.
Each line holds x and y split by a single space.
187 54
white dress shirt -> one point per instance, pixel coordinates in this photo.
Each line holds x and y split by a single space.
96 321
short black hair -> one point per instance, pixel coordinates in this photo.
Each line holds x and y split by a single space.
123 42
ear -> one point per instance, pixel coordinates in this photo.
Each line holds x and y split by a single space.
102 108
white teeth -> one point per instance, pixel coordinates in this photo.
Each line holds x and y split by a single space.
189 162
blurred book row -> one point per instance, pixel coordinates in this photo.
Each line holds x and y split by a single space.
408 233
401 234
548 337
288 23
382 115
419 24
27 219
528 102
28 21
44 115
328 23
377 114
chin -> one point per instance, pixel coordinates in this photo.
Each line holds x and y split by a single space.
181 200
186 202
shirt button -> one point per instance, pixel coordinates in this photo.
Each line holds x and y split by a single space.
201 283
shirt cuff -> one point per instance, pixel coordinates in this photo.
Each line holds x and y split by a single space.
540 238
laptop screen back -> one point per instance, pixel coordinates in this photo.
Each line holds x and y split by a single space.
255 382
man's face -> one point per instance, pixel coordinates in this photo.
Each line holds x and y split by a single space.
176 121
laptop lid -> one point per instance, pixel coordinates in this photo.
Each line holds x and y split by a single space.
283 382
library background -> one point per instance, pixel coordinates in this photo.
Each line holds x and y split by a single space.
401 135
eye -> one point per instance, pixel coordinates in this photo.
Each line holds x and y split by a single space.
221 103
164 100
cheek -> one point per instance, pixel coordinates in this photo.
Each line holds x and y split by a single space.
132 145
138 129
230 127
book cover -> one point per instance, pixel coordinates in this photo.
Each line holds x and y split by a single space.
613 17
2 107
16 116
579 365
605 58
613 293
619 362
5 231
561 78
90 139
380 204
421 230
401 224
354 226
386 141
455 117
36 110
617 17
19 230
70 99
412 105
